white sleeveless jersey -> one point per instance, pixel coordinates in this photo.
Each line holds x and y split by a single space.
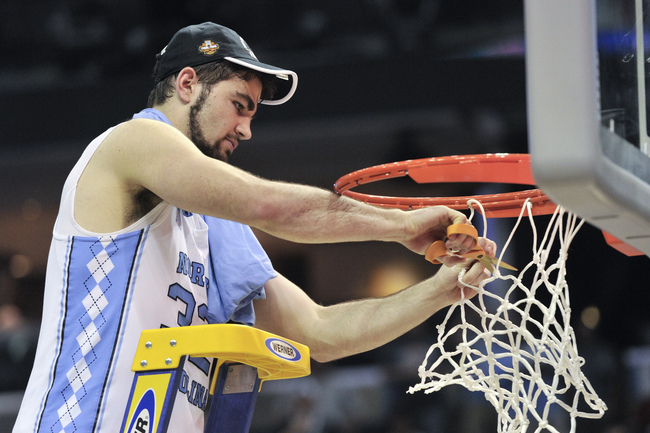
101 291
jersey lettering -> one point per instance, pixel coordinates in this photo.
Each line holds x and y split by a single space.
196 393
195 270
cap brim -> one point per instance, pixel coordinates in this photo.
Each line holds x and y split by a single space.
287 80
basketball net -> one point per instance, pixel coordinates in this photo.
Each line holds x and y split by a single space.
518 348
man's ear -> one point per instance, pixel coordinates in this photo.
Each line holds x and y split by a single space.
186 84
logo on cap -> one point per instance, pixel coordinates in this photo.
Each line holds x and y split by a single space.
208 47
243 42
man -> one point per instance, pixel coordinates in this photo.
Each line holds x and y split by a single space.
153 232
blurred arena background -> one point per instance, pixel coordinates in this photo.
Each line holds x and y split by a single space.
379 81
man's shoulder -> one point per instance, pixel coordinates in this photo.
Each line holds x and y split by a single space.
110 192
142 131
141 124
134 134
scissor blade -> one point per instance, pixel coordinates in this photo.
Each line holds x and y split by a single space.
487 263
502 264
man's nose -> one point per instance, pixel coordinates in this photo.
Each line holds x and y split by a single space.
243 130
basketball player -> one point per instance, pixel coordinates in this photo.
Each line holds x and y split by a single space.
153 231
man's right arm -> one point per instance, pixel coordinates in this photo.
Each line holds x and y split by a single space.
150 155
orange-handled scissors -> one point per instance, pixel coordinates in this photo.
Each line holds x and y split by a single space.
438 249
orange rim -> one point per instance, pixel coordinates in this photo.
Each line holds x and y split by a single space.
512 168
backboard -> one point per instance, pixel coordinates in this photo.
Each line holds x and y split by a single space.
587 120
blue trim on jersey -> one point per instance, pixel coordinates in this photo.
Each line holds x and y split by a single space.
55 359
95 297
129 294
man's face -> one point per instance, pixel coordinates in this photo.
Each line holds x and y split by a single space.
222 115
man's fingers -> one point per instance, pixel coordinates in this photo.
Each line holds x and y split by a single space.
475 274
451 261
460 243
489 246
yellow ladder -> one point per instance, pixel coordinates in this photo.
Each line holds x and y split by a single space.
245 358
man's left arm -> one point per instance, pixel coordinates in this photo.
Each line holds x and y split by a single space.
337 331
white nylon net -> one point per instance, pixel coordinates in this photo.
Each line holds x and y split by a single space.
518 348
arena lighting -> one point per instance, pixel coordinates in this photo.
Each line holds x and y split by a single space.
388 278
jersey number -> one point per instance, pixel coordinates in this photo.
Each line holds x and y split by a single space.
178 293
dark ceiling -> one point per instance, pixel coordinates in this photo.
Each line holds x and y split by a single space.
407 70
102 38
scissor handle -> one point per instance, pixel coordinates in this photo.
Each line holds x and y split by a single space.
438 248
463 229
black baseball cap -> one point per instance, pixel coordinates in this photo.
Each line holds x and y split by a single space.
209 42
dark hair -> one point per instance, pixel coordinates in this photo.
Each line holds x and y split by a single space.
210 74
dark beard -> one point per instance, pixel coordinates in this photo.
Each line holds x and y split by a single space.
196 134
